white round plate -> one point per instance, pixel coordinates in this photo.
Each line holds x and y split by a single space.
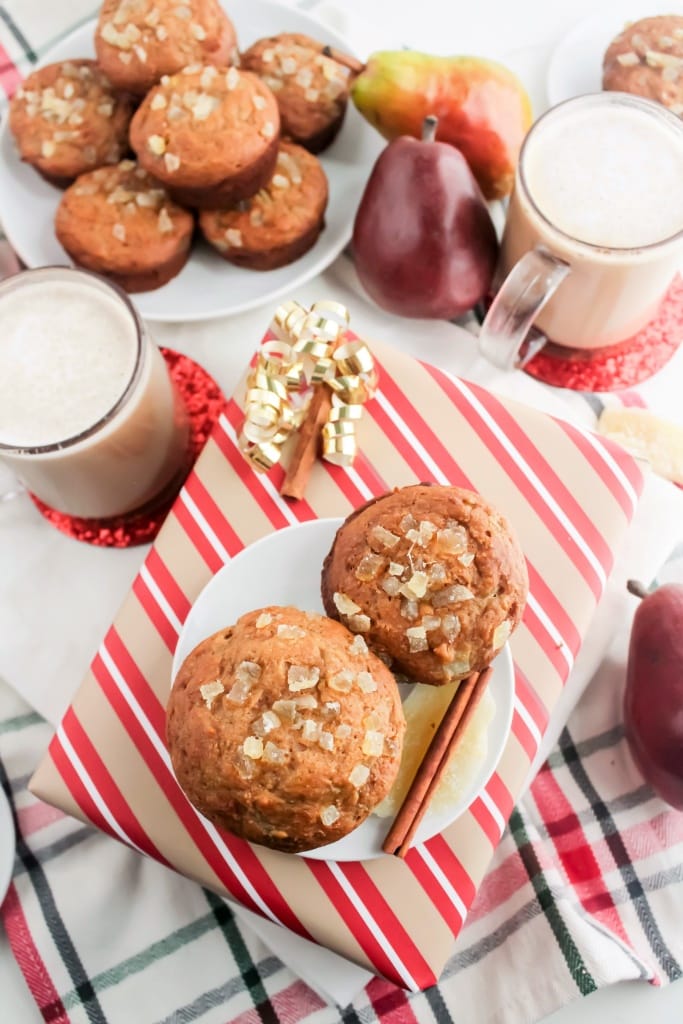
283 568
7 845
207 286
575 66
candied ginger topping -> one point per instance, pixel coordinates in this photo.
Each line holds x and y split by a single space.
210 691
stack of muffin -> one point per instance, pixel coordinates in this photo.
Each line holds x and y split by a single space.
230 135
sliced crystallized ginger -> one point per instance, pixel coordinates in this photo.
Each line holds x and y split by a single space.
647 436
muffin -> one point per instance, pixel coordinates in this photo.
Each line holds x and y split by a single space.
120 222
210 135
66 119
647 59
284 729
312 89
138 41
280 223
432 577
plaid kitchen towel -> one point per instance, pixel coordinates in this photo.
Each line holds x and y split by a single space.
588 880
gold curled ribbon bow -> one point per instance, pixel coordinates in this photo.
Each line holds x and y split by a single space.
309 351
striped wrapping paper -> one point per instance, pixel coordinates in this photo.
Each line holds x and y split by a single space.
570 496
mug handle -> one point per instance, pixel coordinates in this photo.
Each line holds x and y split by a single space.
523 293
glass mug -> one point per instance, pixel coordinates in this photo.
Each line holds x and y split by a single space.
594 231
90 420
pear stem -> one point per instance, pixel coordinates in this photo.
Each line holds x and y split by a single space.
356 67
637 589
429 126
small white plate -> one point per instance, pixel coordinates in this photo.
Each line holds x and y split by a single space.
207 286
283 568
575 66
7 845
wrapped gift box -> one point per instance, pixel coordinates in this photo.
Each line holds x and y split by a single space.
570 496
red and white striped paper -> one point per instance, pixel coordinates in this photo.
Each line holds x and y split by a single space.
570 496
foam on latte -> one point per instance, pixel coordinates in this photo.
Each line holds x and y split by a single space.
610 177
67 353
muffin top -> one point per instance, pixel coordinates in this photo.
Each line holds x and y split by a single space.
432 577
138 41
311 88
118 214
66 119
646 59
285 729
294 199
204 124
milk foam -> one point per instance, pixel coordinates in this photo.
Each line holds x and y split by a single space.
67 354
612 177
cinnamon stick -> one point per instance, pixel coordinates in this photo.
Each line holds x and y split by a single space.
451 729
308 440
345 59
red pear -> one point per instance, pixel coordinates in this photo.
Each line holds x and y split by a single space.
423 239
653 701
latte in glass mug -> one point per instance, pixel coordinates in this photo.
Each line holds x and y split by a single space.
594 233
89 418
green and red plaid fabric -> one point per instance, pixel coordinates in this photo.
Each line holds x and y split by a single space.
587 881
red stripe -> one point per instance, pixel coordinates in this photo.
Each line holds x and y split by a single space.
407 452
545 472
551 647
241 851
356 924
486 821
387 920
169 786
389 1002
213 514
577 857
10 76
500 795
338 474
245 473
435 891
531 701
163 626
301 508
515 472
370 475
117 804
160 572
73 783
343 481
195 534
554 609
148 700
30 961
628 466
452 868
526 738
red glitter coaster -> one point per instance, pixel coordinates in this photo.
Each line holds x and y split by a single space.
204 402
617 366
